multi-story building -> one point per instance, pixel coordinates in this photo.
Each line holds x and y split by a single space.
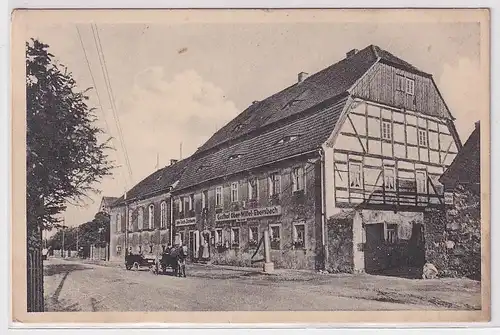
339 167
141 219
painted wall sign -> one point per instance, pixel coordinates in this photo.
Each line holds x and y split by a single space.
185 221
248 213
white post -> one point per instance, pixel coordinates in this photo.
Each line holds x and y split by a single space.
268 265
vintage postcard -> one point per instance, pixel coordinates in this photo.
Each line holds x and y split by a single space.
200 166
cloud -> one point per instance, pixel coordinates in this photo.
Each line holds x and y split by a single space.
460 83
159 114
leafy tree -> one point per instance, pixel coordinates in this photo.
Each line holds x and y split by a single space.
95 232
64 158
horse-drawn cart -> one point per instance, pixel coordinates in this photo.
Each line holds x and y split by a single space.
172 258
136 261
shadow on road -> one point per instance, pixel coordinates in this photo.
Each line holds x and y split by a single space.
53 303
55 269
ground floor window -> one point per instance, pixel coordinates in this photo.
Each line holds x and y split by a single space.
299 233
181 238
275 236
392 233
218 237
253 237
235 237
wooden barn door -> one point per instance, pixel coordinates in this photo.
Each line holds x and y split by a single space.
374 258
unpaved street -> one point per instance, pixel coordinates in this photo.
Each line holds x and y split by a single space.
74 286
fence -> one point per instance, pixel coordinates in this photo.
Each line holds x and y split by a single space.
35 281
67 253
99 253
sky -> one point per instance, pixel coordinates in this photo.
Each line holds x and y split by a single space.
175 85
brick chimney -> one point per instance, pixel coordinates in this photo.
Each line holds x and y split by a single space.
351 53
302 76
477 124
173 161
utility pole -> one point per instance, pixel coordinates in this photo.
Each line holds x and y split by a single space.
126 222
180 151
77 250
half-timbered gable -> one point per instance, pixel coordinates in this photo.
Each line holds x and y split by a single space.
384 155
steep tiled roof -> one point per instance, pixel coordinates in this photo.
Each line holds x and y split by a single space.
309 134
158 181
321 86
465 168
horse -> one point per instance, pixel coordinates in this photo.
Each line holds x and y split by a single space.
176 259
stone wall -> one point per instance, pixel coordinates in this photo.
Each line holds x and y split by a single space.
453 237
340 246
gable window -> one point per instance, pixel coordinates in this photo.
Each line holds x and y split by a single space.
410 86
400 83
234 192
253 236
253 188
386 130
355 175
140 218
274 184
218 196
299 233
163 214
389 179
204 199
274 232
298 179
235 237
421 181
151 221
422 137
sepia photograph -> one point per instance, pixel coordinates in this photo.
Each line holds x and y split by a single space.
251 161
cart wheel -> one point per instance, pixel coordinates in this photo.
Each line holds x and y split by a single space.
135 267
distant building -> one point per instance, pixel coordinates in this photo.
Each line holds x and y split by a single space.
465 169
106 203
141 221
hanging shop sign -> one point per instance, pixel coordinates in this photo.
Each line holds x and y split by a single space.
248 214
185 221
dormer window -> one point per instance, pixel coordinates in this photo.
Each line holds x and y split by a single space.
235 156
238 127
201 167
289 138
